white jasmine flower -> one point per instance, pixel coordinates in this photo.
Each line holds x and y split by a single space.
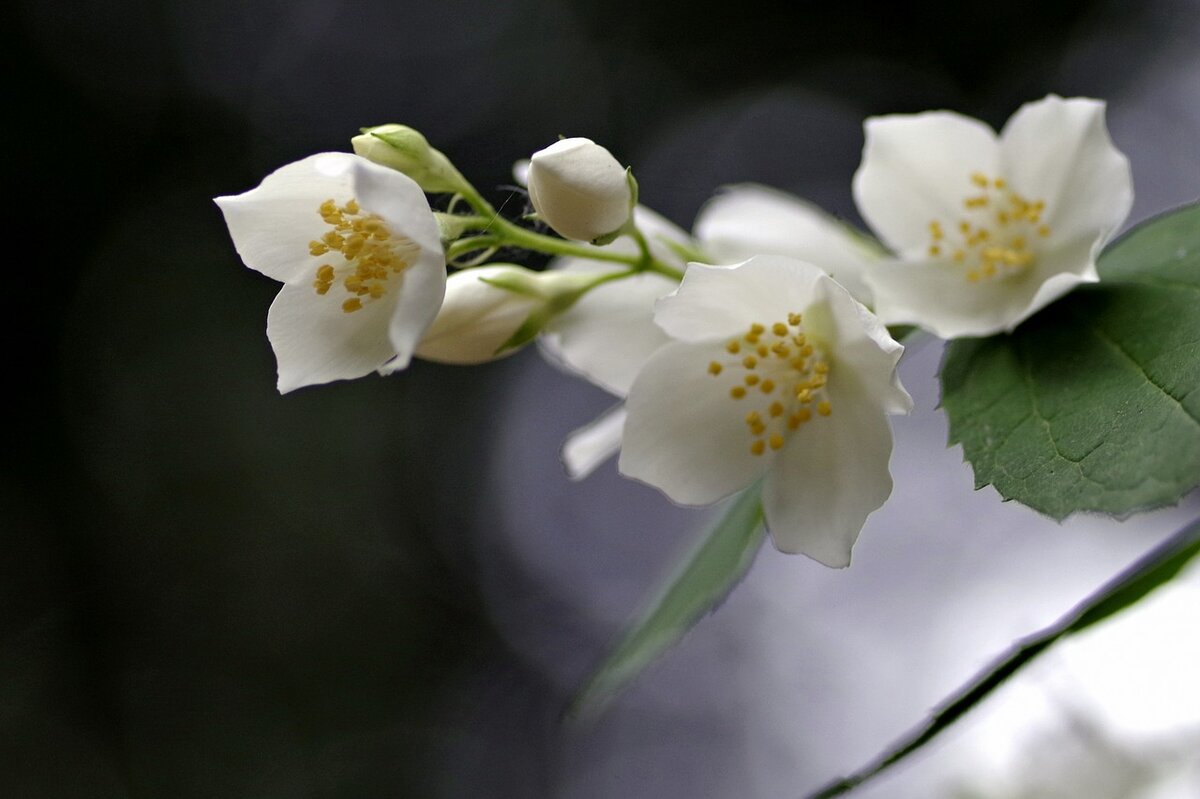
357 249
773 371
747 220
579 189
988 229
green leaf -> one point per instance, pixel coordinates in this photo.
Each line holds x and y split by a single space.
1094 403
1158 566
699 584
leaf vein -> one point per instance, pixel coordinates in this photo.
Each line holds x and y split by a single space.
1116 347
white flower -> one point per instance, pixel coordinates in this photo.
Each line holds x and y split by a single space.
747 220
775 372
579 189
609 333
357 249
988 229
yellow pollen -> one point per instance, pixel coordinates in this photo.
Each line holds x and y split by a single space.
993 240
824 408
370 252
788 372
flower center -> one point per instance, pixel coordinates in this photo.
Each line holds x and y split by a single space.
783 380
371 253
992 238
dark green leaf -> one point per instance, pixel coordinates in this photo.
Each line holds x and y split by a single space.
1093 404
703 579
1158 566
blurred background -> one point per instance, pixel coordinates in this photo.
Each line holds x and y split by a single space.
388 588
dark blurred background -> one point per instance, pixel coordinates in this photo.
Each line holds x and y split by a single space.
386 587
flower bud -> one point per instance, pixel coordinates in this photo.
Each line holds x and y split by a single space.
406 150
579 189
491 311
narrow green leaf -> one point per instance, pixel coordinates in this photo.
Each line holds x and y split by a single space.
1155 568
1094 403
699 584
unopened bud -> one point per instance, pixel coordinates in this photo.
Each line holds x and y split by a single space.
406 150
491 311
580 190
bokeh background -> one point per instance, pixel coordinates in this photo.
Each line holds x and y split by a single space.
387 588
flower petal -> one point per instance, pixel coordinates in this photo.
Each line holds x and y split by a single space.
937 296
747 220
1059 151
915 169
590 446
720 301
609 333
684 434
829 477
404 207
315 341
273 223
858 344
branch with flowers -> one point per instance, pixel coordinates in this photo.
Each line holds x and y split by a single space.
754 360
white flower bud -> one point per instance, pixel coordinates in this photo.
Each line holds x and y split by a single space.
579 189
492 311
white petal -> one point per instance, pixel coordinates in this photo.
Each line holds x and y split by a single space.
858 344
937 296
747 220
915 169
315 341
421 289
272 224
1059 151
721 301
684 434
609 333
403 206
829 477
590 446
1060 270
